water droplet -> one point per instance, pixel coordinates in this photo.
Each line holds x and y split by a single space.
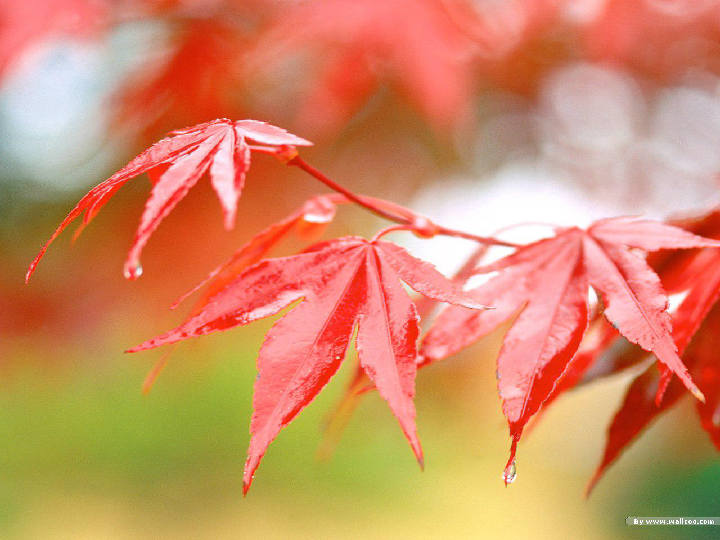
510 473
315 218
132 271
337 358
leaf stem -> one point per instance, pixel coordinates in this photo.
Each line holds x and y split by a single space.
405 218
300 163
486 240
386 230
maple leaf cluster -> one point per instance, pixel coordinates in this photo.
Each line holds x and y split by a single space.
696 276
546 286
353 286
582 304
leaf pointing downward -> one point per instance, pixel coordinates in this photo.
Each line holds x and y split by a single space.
547 283
636 303
544 338
699 352
299 356
386 343
343 283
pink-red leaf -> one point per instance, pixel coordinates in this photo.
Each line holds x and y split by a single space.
388 330
647 235
299 356
545 336
547 283
342 283
220 145
639 408
172 186
635 303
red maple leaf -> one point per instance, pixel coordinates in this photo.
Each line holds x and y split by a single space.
639 408
308 223
220 147
696 326
343 283
546 285
604 352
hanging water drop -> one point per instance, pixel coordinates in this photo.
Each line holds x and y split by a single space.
132 271
309 217
510 473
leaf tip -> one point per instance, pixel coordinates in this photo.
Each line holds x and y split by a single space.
593 482
418 451
150 344
509 473
229 220
689 384
698 394
248 478
251 465
33 266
